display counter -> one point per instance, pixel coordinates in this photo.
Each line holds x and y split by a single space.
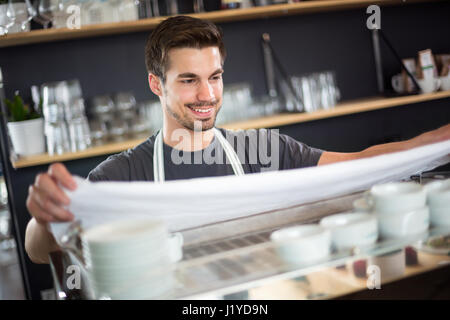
236 260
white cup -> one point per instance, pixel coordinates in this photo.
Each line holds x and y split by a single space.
397 83
302 244
445 82
429 85
401 224
438 199
438 193
350 230
396 197
440 216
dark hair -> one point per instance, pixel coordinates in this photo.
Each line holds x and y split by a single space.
180 32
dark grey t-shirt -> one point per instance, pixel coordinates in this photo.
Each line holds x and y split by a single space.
258 150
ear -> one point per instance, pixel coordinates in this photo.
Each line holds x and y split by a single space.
155 84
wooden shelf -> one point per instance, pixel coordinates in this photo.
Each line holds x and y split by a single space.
341 109
109 148
49 35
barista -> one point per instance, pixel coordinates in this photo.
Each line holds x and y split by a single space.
184 58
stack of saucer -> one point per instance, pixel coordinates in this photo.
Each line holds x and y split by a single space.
129 260
302 244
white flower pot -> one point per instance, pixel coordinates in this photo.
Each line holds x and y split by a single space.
27 136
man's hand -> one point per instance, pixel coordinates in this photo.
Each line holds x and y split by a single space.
45 202
46 199
434 136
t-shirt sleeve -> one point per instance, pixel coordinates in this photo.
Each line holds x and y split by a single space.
114 168
296 154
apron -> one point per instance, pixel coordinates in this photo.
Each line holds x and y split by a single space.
158 156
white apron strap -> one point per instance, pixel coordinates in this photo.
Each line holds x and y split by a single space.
158 156
158 159
231 154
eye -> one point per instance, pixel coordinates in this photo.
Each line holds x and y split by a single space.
217 77
187 81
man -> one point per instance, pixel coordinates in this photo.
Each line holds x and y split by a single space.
184 58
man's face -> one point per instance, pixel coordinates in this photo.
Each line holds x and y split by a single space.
192 92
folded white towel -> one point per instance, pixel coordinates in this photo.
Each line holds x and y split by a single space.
195 202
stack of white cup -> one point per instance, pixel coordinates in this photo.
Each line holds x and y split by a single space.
129 259
400 208
351 229
438 199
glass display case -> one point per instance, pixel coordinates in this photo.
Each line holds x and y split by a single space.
235 259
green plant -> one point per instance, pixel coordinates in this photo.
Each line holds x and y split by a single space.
18 111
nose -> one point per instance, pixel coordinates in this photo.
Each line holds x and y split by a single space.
205 91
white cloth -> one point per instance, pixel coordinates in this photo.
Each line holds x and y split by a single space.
195 202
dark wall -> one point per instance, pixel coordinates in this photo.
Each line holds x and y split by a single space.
336 41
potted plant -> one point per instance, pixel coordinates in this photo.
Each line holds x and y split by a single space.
26 127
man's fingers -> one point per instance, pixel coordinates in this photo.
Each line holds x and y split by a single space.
45 183
59 172
47 205
38 213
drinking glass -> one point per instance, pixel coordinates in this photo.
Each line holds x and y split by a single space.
119 129
48 10
79 133
98 130
7 17
57 137
53 110
317 90
291 101
129 10
140 128
23 12
69 94
102 105
152 113
125 101
60 13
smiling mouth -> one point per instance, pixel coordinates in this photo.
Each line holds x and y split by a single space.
202 109
202 112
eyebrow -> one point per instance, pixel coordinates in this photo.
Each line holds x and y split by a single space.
193 75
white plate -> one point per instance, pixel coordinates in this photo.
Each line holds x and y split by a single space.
423 246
